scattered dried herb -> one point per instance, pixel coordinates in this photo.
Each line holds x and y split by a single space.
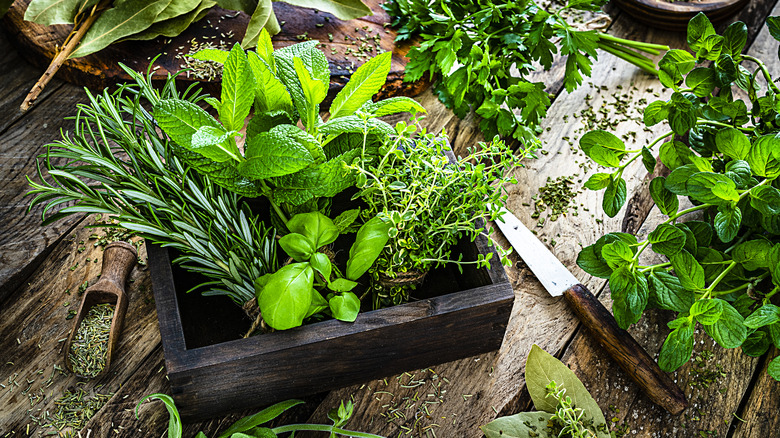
74 409
556 195
90 344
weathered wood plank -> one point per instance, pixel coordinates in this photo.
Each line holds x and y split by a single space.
758 417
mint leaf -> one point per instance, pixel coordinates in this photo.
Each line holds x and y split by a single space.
238 85
666 201
667 292
711 188
591 262
729 331
699 28
364 83
215 143
765 315
314 92
732 143
272 154
675 154
393 105
614 197
629 293
727 222
673 66
617 254
603 147
702 81
774 367
648 160
677 348
355 124
688 270
598 181
753 254
180 120
655 113
667 240
765 199
677 181
707 311
735 38
270 93
761 158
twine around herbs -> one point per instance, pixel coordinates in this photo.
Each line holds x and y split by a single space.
252 309
408 278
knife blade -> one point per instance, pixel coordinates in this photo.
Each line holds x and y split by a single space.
620 345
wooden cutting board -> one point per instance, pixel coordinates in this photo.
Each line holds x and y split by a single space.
340 41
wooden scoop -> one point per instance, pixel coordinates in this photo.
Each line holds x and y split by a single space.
118 260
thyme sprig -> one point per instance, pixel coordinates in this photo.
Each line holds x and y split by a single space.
145 186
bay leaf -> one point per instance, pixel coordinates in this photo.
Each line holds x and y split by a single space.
262 17
541 368
126 19
342 9
176 8
48 12
247 6
522 425
173 26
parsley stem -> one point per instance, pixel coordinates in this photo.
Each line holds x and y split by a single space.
633 59
639 45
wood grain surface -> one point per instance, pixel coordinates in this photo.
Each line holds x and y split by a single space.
730 394
674 15
339 40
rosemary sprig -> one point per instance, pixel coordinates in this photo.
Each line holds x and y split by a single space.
135 176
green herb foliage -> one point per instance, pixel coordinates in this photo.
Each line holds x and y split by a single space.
430 201
722 272
135 175
251 426
292 167
292 293
566 409
470 47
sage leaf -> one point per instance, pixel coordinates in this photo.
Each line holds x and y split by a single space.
541 368
369 243
520 425
127 18
259 418
363 84
342 9
286 297
238 85
345 307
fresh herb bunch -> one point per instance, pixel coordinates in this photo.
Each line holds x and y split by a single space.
470 47
251 426
430 201
137 178
295 292
565 407
294 168
724 270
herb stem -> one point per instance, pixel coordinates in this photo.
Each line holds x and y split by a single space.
723 125
720 277
686 211
322 428
640 45
764 70
644 269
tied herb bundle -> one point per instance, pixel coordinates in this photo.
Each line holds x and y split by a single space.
723 272
471 47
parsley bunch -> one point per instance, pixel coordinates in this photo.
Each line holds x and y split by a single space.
723 272
469 48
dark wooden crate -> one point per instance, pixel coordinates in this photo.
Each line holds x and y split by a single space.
210 380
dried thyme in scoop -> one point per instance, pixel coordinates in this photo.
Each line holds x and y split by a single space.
90 345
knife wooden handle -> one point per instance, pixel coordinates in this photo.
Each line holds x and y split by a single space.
626 351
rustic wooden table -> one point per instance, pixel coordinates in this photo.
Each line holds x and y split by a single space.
42 267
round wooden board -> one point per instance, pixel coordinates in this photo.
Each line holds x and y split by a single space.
39 45
674 15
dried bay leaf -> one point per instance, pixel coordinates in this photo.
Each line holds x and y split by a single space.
48 12
262 17
176 8
173 26
128 18
342 9
521 425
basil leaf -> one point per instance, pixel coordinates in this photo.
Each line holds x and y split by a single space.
259 418
342 285
345 307
298 247
287 296
321 263
317 227
369 243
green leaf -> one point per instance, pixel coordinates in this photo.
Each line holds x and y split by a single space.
299 247
655 113
727 222
314 91
214 55
648 160
614 197
345 220
666 201
270 92
541 368
48 12
733 143
342 9
702 81
520 425
238 85
617 254
591 262
773 23
735 38
354 124
688 270
761 158
342 285
393 105
668 293
774 367
263 19
126 18
682 116
271 154
363 84
286 297
369 243
739 172
677 181
765 315
345 307
315 226
603 147
321 263
630 294
174 421
774 261
699 28
729 331
673 66
753 254
707 311
756 344
259 418
677 348
598 181
675 154
215 143
667 240
765 199
180 120
711 188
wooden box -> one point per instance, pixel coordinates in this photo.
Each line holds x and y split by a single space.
211 376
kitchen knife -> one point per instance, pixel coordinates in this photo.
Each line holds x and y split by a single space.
623 348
